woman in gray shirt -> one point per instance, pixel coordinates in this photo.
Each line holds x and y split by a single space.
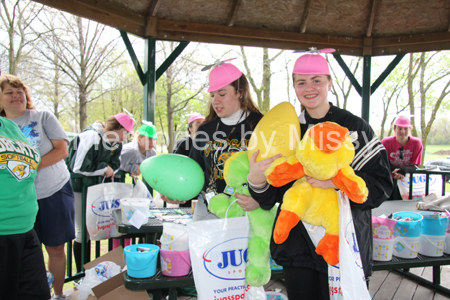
55 219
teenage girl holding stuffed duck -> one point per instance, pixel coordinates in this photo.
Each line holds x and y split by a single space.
226 129
304 270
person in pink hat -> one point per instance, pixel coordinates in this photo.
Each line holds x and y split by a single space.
95 152
306 272
404 150
226 129
184 145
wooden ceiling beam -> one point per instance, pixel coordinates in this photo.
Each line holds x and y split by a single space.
233 13
154 7
243 33
305 16
102 12
416 39
373 10
247 41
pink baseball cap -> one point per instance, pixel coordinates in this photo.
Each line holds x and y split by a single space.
311 64
195 116
126 121
402 122
223 75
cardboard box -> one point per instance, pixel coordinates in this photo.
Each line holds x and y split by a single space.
113 288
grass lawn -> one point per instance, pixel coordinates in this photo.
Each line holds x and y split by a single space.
432 149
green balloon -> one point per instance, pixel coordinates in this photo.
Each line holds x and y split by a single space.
175 176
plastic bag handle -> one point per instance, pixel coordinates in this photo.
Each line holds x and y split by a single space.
226 213
104 177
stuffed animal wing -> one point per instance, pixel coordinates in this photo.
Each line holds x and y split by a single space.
284 170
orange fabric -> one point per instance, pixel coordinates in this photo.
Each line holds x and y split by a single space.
349 187
285 222
328 247
285 173
328 137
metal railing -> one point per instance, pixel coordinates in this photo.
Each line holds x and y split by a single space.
426 172
84 243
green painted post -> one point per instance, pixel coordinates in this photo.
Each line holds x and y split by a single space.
366 87
150 80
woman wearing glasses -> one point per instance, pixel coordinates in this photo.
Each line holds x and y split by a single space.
404 151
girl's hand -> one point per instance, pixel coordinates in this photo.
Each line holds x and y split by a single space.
171 201
256 175
246 202
324 184
109 172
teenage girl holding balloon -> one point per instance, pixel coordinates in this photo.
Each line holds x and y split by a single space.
227 129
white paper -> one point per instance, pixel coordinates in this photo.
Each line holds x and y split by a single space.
138 219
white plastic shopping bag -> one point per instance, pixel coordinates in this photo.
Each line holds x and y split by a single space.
141 191
419 186
101 200
218 250
346 280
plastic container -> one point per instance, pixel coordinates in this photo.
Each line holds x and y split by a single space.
383 249
276 296
432 245
447 243
175 263
274 266
434 223
175 237
383 228
407 228
141 264
406 247
130 205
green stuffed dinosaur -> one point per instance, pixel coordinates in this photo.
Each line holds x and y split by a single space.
261 221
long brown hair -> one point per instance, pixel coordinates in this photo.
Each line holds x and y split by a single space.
15 82
240 85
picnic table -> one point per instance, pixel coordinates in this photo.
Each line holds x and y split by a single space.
156 283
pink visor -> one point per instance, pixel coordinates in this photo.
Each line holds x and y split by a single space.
223 75
402 122
126 121
195 116
311 64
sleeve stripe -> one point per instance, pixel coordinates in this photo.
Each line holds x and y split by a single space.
369 155
366 148
86 142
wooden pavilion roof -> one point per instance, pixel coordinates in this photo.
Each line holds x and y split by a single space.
352 27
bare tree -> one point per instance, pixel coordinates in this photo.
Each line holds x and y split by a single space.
263 91
344 85
433 74
17 18
82 55
392 89
175 90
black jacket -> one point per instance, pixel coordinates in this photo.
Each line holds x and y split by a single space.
215 142
370 163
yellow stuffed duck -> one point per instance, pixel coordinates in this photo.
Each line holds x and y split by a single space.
325 152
